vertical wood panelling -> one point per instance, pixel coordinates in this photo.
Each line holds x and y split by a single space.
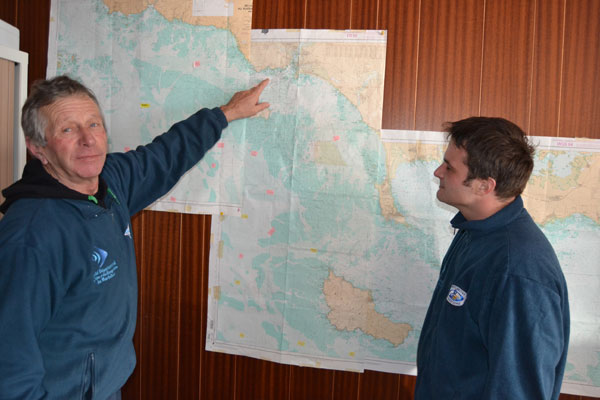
34 27
160 283
379 385
310 383
330 14
278 14
346 385
448 83
8 11
218 380
194 255
407 387
258 379
401 20
580 100
546 70
507 59
364 14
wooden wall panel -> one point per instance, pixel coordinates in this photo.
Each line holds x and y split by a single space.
310 383
507 59
34 28
278 14
330 14
160 282
8 12
346 385
401 20
380 385
547 68
259 379
194 285
449 74
580 102
218 379
364 14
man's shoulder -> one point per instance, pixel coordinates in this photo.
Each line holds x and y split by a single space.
31 218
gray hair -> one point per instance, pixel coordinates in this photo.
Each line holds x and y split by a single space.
44 93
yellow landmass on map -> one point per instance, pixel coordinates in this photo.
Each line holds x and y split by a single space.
398 153
353 308
355 69
239 24
386 202
272 54
327 153
548 197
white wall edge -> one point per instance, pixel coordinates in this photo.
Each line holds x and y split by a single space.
21 61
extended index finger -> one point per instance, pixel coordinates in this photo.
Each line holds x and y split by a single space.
261 86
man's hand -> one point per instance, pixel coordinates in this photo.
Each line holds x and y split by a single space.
245 104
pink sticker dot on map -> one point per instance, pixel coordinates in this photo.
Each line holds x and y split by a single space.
241 256
220 145
336 138
196 64
271 231
172 198
213 165
127 148
254 153
269 191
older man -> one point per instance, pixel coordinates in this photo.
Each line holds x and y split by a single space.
68 286
497 326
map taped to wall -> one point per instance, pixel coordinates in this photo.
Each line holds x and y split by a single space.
328 238
153 63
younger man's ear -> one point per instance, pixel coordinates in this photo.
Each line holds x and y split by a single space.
485 186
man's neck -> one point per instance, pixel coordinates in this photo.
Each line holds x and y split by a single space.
485 208
87 187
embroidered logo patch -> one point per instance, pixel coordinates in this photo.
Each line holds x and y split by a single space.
456 296
127 232
103 273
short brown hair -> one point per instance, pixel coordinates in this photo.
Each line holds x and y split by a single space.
496 148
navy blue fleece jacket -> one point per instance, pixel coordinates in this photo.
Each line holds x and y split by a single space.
497 326
68 285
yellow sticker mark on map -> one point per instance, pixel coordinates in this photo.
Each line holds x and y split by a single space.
217 292
244 216
301 343
242 335
220 249
314 250
145 105
237 282
352 354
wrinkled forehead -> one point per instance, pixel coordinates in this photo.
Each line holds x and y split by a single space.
73 107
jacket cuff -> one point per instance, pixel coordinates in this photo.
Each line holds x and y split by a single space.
220 117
